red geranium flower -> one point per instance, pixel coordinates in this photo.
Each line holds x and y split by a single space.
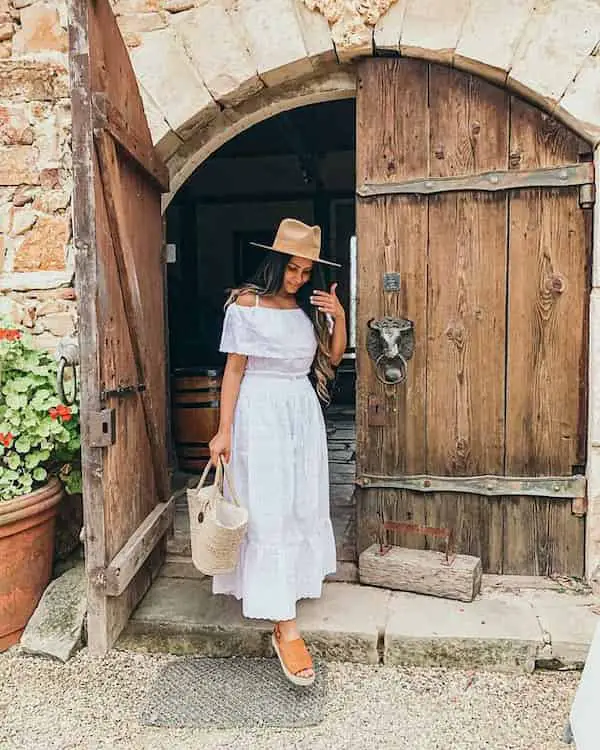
9 334
6 439
61 411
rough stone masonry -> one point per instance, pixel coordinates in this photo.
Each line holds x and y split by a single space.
36 263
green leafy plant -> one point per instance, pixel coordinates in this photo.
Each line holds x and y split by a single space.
39 435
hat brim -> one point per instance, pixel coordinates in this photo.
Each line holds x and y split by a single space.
296 254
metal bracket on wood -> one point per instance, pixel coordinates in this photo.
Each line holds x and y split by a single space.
567 488
415 528
101 426
501 179
123 390
114 579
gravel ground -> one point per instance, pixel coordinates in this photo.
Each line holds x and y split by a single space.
93 703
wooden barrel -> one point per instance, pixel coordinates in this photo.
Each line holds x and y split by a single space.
196 396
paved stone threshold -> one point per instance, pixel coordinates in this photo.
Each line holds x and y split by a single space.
517 623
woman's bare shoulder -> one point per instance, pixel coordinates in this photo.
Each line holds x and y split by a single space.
246 299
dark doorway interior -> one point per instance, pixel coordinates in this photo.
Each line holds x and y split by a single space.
299 164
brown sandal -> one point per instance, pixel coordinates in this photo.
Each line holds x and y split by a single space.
293 657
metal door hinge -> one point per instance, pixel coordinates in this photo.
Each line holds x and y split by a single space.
169 253
101 428
587 195
123 390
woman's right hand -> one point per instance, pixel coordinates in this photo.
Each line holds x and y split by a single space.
220 445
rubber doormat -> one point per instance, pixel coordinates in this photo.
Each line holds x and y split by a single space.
228 693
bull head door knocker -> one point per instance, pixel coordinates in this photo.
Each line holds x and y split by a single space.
391 343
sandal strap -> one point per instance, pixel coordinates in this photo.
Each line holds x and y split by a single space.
295 655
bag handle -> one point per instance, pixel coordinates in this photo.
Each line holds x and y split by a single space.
222 468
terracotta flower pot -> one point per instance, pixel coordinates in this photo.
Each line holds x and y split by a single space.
26 551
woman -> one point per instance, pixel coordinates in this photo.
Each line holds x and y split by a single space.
276 332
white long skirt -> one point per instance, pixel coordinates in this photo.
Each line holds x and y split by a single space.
279 462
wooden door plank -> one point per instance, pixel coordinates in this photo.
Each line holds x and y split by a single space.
108 117
86 282
547 331
466 305
392 144
119 489
131 295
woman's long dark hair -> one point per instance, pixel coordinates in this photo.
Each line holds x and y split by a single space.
268 280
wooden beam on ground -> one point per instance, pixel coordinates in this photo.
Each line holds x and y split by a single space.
421 572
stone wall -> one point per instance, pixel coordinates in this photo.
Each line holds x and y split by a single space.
36 263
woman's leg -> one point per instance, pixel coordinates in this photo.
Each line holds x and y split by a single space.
289 632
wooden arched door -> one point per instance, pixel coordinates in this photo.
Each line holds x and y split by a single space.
488 433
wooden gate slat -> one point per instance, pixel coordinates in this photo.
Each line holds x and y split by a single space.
498 385
119 480
108 117
546 363
134 311
466 306
391 236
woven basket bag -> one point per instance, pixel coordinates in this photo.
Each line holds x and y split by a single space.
217 526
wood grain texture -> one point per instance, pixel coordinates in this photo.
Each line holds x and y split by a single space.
549 241
391 236
422 572
127 483
497 284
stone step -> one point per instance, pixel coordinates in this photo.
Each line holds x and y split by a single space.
508 627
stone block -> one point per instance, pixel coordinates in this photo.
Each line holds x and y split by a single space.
165 140
6 216
557 40
577 101
18 165
137 23
497 634
55 628
275 39
317 35
490 35
177 6
59 324
23 221
15 128
6 31
168 76
23 195
226 68
182 616
431 28
43 249
40 30
51 201
389 27
569 623
135 6
33 81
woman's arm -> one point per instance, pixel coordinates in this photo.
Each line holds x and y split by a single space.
329 303
220 445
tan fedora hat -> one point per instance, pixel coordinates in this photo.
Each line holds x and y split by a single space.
295 238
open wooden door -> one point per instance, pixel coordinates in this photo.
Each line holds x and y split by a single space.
473 222
118 181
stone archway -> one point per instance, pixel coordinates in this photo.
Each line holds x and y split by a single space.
208 72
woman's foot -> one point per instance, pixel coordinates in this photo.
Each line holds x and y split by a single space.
292 653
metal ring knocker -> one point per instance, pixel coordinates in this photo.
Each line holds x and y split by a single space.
63 363
403 370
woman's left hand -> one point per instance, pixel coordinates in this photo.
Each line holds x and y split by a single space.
328 302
